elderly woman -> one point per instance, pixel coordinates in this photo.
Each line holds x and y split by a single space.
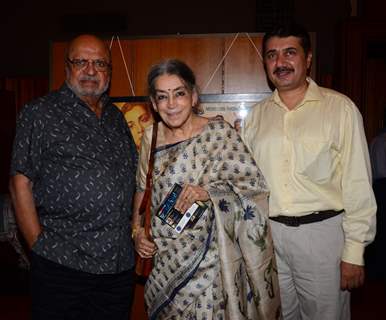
222 267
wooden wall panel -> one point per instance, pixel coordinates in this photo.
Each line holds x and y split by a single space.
25 89
145 54
240 72
57 74
14 94
202 54
120 84
243 62
360 76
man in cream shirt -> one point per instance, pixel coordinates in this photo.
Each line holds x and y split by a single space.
310 145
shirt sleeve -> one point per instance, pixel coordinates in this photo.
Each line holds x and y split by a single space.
359 220
247 122
144 155
27 148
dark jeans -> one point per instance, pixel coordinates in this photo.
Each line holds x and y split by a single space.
62 293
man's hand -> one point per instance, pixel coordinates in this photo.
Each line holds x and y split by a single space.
352 276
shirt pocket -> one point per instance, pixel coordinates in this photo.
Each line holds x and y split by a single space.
314 160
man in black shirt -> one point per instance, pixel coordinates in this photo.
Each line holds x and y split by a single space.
72 182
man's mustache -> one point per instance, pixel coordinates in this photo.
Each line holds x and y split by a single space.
283 69
88 78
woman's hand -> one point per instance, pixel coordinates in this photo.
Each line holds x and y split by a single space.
189 195
144 247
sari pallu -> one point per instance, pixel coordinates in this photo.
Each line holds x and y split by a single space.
223 267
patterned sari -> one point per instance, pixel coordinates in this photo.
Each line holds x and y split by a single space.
223 267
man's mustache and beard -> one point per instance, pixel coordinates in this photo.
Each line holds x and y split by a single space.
81 91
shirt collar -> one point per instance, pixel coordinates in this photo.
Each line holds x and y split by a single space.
313 93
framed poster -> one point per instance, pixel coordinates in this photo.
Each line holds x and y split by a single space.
231 107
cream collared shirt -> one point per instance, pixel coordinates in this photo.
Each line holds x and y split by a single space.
315 158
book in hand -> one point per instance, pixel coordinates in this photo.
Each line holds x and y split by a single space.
176 219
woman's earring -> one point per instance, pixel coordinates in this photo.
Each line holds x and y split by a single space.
197 109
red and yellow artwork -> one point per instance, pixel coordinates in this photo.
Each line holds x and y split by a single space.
138 116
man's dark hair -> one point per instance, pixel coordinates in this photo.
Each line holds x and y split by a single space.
288 30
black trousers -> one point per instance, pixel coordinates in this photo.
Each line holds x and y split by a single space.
61 293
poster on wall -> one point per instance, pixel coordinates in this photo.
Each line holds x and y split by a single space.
233 108
137 113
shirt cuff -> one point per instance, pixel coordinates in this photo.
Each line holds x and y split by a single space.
353 253
27 173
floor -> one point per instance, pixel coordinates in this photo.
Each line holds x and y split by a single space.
368 302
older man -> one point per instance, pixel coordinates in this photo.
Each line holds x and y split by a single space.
310 145
72 181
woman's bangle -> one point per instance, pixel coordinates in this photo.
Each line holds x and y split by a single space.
134 231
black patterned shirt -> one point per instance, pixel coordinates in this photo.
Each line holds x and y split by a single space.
83 173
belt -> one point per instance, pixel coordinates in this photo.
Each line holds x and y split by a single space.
309 218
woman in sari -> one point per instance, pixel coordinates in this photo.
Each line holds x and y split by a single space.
222 267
